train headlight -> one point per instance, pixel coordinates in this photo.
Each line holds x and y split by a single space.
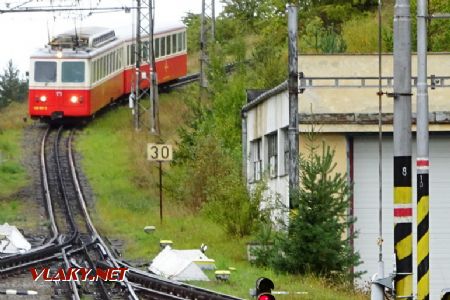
74 99
43 98
59 54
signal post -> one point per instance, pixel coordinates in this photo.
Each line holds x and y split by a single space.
160 153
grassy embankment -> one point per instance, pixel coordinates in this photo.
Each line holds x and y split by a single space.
125 185
13 175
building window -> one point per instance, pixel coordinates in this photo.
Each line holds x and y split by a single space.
272 153
256 159
285 144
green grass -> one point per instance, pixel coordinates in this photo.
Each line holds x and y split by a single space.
125 185
10 211
12 173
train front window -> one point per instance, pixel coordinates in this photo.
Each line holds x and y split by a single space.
45 71
72 71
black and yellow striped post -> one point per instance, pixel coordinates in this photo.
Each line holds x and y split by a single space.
423 236
402 151
403 226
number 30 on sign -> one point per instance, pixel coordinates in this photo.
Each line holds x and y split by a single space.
159 152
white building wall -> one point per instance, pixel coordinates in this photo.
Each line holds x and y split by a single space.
270 117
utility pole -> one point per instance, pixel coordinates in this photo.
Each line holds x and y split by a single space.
145 82
293 101
423 205
402 151
207 37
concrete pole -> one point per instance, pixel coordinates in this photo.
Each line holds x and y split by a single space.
137 78
213 20
423 255
293 102
203 55
154 104
244 145
402 150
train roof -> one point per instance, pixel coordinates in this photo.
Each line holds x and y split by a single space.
85 42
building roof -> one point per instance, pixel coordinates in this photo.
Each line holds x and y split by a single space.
356 105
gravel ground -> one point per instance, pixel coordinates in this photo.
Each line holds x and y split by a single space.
32 194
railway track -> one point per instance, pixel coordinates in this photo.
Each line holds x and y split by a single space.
185 80
75 243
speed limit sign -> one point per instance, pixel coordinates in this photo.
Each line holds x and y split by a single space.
159 152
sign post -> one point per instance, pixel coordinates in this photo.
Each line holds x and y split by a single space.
160 153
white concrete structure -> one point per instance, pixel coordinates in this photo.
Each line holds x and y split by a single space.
347 119
170 264
12 241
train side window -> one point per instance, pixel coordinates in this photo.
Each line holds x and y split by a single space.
96 71
111 63
163 46
145 51
157 48
174 43
93 72
183 35
72 71
115 60
133 54
45 71
180 41
104 68
99 74
108 64
128 55
168 45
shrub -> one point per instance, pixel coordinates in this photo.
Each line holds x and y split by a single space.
315 240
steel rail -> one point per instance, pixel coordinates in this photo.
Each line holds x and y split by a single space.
87 217
72 287
180 289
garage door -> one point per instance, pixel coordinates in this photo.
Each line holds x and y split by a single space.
366 208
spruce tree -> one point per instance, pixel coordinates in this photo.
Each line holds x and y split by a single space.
317 238
11 87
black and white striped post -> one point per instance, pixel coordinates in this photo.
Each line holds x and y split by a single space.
18 292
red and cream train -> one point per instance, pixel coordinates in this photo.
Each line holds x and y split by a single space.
75 80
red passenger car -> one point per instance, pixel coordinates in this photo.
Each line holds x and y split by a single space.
82 71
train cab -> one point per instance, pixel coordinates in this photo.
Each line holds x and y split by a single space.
58 87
